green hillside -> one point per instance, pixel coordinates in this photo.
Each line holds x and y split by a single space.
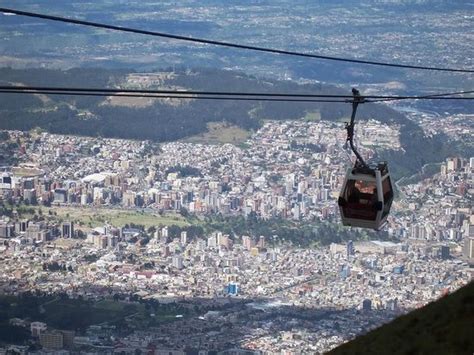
169 120
442 327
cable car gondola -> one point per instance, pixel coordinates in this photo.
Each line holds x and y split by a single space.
367 193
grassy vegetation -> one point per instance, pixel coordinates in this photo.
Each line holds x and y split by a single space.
220 133
27 172
442 327
426 172
312 116
110 305
302 234
90 217
152 317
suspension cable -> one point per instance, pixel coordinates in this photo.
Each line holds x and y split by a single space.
228 95
168 96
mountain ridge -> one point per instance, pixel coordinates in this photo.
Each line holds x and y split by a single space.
167 120
441 327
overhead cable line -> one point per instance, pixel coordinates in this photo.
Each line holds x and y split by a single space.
178 92
165 96
225 44
249 96
426 97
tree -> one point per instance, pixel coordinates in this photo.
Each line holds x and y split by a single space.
144 241
184 212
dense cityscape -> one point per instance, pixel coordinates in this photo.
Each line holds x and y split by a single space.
134 224
253 292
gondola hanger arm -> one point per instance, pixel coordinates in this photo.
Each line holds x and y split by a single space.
357 99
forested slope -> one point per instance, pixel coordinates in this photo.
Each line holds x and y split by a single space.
168 120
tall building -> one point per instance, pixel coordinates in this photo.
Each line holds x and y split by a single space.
392 304
67 230
60 196
443 169
100 241
6 181
254 251
225 241
453 164
29 195
184 238
418 232
21 226
52 340
345 271
165 251
84 199
128 198
219 237
37 231
444 252
366 305
112 241
468 251
6 230
37 328
247 242
178 262
232 289
212 241
200 245
68 338
350 249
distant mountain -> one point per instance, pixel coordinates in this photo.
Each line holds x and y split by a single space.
427 32
159 120
172 119
442 327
